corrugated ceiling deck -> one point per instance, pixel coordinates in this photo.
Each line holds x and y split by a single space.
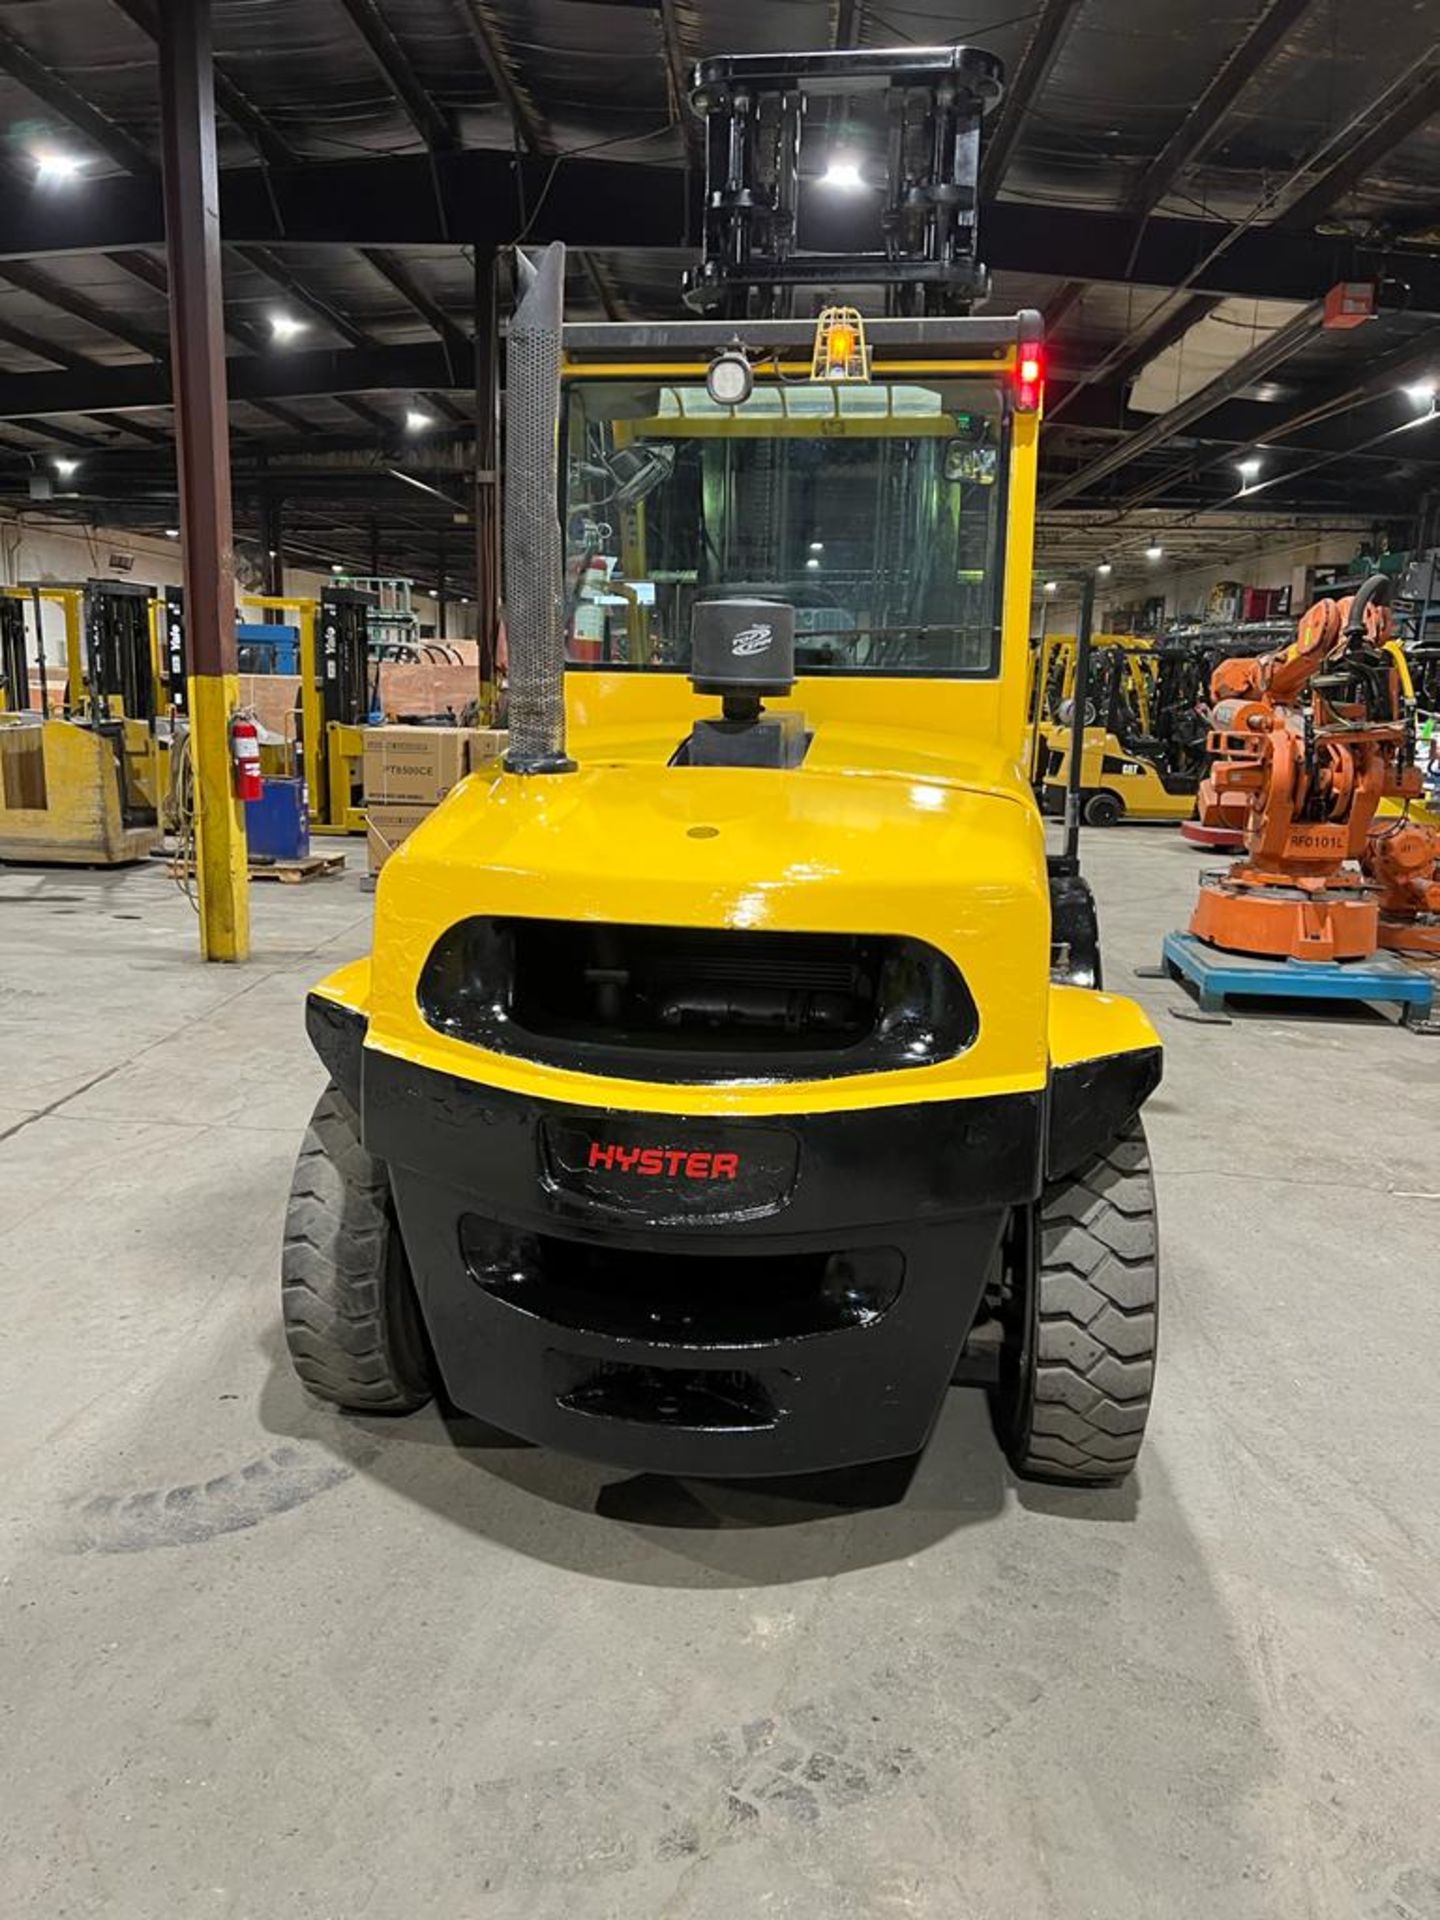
595 76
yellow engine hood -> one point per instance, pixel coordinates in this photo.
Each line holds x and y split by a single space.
812 849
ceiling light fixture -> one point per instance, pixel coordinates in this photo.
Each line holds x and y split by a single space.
172 533
817 546
1247 469
1422 394
66 469
1052 586
1104 567
284 326
416 421
843 173
336 567
812 562
57 169
1153 553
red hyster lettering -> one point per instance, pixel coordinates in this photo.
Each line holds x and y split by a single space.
650 1162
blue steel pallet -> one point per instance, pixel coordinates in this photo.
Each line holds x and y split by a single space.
1382 980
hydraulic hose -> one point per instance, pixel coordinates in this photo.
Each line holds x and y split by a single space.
1376 588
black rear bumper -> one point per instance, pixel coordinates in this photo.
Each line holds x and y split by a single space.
774 1294
803 1312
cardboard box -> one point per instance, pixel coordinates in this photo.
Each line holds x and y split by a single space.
388 823
413 764
484 746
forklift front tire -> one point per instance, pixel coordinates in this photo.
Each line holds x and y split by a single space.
1075 1386
352 1322
1104 809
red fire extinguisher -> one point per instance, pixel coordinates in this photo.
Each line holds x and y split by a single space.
245 753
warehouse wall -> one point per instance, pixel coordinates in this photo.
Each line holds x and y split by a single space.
32 548
1187 592
1187 589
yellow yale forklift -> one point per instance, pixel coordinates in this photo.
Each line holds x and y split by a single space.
731 1073
83 780
339 695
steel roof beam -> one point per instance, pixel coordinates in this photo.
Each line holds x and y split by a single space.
393 61
1267 354
43 349
361 410
1245 425
57 93
1406 116
676 81
1395 125
42 287
265 262
228 98
1201 125
398 276
523 117
1031 73
99 389
65 436
604 204
1124 360
1197 131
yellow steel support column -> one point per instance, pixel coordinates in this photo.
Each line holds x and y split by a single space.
220 853
202 437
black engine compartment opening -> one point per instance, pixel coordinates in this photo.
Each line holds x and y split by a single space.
696 1003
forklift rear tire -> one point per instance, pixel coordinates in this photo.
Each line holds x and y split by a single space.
352 1322
1104 810
1075 1386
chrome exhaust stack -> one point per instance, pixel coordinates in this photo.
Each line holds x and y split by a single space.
534 549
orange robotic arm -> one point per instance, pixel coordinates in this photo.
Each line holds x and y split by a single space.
1277 677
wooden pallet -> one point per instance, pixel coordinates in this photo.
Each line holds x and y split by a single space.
292 873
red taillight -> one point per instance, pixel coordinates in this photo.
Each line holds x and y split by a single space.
1029 380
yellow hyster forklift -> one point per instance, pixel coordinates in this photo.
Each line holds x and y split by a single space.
85 785
731 1074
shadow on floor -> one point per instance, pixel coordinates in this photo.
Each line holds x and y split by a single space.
648 1529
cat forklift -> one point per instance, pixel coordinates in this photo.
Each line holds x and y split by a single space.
1143 756
1052 693
731 1073
85 785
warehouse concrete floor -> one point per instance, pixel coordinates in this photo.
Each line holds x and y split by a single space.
262 1661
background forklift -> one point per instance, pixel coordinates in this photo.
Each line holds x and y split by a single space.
85 785
723 1089
1144 743
339 696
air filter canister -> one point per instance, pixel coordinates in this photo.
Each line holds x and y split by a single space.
742 646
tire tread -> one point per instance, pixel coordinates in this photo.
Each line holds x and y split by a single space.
1096 1323
337 1275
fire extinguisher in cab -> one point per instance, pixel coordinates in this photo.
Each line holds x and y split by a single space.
245 755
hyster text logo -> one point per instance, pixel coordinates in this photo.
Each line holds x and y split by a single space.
651 1162
750 640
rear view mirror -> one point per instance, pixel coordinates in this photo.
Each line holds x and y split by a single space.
965 461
